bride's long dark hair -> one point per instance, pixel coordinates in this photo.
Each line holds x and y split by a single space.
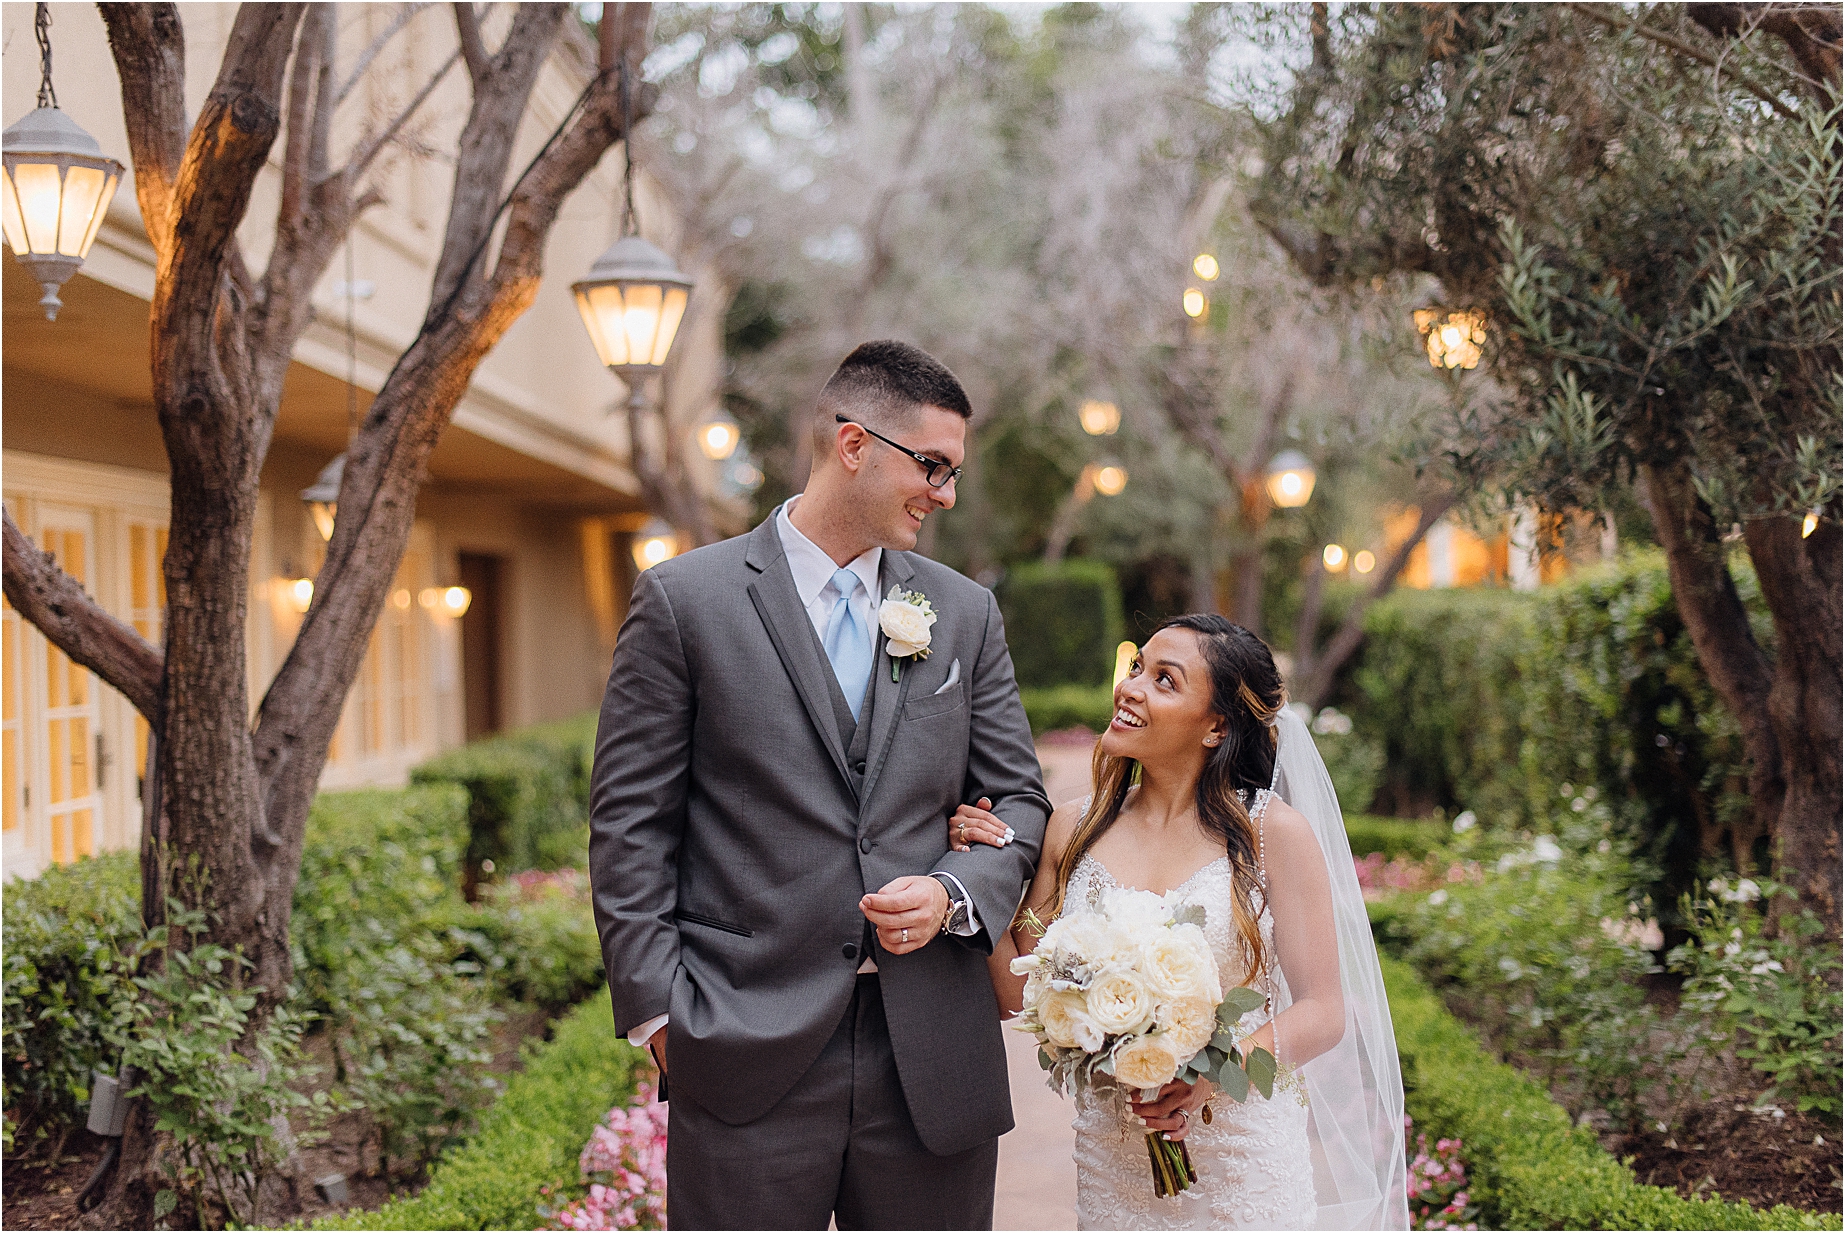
1246 690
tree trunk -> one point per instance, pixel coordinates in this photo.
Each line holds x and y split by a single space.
1707 600
1801 581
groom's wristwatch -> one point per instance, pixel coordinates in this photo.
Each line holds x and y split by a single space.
958 915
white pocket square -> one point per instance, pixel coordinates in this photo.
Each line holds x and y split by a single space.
954 676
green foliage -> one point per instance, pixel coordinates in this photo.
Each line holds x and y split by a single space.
1394 837
1509 702
1530 1166
67 933
218 1085
1063 623
1068 706
528 794
530 1138
535 935
1538 950
1353 760
1774 998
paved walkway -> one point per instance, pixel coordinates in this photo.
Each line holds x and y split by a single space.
1037 1178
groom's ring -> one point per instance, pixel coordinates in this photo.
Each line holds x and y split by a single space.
906 935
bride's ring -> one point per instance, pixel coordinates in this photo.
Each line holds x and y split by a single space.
963 832
1185 1117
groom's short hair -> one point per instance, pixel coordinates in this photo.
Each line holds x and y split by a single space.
885 385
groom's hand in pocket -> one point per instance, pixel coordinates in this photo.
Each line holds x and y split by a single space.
907 913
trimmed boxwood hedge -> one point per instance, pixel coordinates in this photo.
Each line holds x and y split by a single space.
1528 1166
528 794
531 1137
1068 706
1414 838
1063 622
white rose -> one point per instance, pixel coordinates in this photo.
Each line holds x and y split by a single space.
1063 1016
1119 1002
1177 962
905 624
1084 935
1136 911
1148 1062
1189 1024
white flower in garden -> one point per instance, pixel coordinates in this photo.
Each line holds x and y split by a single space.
1063 1013
905 620
1545 849
1464 821
1437 898
1146 1062
1177 962
1331 722
1119 1001
1189 1024
1746 892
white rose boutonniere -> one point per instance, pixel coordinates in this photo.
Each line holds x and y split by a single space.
905 617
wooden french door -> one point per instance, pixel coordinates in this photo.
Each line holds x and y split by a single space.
65 736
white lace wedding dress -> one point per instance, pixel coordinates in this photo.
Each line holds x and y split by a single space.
1253 1160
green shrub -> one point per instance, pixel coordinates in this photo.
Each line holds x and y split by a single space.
1775 999
1394 837
67 933
1068 706
1506 702
1538 949
530 1138
1063 622
1353 760
1530 1167
535 934
528 794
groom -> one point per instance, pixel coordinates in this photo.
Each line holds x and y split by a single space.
782 920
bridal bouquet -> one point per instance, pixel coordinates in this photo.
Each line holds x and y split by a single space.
1130 992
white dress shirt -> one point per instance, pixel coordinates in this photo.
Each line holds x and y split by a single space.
813 573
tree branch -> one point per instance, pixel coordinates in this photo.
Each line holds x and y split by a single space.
150 59
1317 684
1594 13
473 47
1811 32
301 76
319 161
404 13
58 608
369 150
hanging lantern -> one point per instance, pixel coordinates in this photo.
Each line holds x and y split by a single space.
632 302
1290 479
718 436
323 495
1099 419
58 185
656 542
1204 265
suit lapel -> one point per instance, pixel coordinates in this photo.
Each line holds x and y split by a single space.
887 699
779 606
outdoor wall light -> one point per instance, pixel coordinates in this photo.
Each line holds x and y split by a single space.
1455 342
1364 561
58 185
323 495
657 542
1290 479
1333 558
1099 419
300 593
1205 266
446 601
1196 305
718 437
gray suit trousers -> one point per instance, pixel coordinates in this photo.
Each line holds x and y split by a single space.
840 1144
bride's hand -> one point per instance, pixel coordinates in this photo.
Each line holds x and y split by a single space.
973 824
1175 1108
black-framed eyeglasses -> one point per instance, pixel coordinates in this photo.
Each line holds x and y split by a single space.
940 473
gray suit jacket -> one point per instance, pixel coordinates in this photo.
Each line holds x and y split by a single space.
731 839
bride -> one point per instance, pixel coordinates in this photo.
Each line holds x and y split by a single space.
1207 784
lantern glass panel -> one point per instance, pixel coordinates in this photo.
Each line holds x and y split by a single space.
641 321
83 202
9 217
670 315
602 317
39 186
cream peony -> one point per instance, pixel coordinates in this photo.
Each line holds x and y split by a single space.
906 623
1177 962
1120 1002
1063 1014
1148 1062
1189 1023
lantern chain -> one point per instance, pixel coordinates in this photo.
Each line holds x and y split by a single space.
41 29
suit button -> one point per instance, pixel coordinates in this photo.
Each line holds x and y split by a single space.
849 950
858 768
864 845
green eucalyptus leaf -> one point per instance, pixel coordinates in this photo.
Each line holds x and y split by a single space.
1234 1082
1261 1070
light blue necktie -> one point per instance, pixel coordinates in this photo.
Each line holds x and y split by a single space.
847 646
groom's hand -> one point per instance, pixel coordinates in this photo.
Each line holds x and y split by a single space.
907 913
